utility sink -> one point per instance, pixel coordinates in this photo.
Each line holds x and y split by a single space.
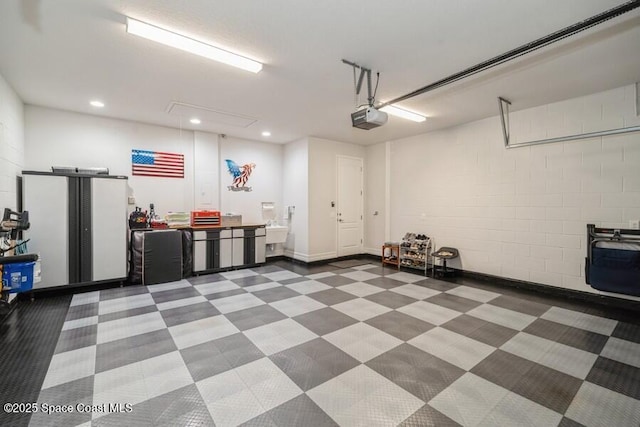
277 233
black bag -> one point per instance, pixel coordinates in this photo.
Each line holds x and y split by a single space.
138 219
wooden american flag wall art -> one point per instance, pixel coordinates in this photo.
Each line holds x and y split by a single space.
157 163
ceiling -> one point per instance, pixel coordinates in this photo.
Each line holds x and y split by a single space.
62 53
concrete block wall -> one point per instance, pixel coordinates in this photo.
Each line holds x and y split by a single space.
521 213
11 143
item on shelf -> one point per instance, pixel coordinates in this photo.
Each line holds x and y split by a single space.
414 251
205 218
231 220
178 219
138 219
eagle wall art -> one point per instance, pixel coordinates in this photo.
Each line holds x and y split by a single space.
240 175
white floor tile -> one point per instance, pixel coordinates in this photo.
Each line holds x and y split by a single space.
168 286
262 286
125 384
322 275
278 336
70 365
515 410
405 277
362 397
215 287
469 399
130 326
473 293
297 305
623 351
281 275
454 348
600 407
79 323
236 302
362 342
201 331
268 383
308 287
238 274
554 355
579 320
125 303
360 289
85 298
361 309
502 316
165 373
432 313
181 302
415 291
360 275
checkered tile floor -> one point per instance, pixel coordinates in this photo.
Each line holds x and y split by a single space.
366 346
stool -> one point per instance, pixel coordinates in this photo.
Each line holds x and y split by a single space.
444 253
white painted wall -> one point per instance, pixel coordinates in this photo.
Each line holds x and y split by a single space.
61 138
375 198
265 180
11 143
521 213
295 192
323 226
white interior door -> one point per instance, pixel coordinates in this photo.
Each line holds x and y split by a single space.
350 205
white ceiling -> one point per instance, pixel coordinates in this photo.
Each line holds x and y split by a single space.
62 53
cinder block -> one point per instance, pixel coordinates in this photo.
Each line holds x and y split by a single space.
546 252
563 241
601 214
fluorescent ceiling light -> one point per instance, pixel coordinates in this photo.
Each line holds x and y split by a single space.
96 103
187 44
405 114
195 121
266 133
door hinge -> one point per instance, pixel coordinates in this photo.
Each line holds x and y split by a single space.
360 216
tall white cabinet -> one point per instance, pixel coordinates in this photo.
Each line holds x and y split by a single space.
78 226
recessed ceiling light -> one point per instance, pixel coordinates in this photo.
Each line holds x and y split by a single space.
405 114
187 44
96 103
266 133
195 121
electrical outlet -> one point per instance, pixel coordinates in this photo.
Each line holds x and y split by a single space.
634 224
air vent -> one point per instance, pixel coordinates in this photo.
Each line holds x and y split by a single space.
209 115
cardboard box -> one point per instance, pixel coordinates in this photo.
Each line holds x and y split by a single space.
230 220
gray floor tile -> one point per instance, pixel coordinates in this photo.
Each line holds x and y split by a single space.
616 376
623 351
502 368
299 411
127 313
627 331
224 294
71 393
454 302
428 417
312 363
251 280
331 296
325 320
293 280
254 317
206 278
189 313
336 280
548 387
276 294
77 338
520 304
437 285
568 422
385 282
390 299
419 373
269 268
214 357
400 325
179 407
122 352
175 294
125 291
480 330
579 338
81 311
598 406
